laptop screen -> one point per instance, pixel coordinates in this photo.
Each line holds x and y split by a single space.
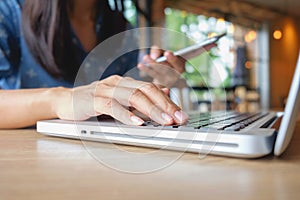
290 114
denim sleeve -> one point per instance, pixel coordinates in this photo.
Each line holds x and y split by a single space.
9 44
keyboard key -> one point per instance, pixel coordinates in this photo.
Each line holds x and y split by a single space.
233 128
216 126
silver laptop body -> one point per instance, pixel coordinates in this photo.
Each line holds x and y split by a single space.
251 137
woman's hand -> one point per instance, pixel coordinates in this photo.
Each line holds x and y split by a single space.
165 73
113 96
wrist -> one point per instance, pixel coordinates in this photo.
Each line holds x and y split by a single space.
56 98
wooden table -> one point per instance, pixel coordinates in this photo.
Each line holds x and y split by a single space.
33 166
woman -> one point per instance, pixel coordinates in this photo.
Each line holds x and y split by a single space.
45 49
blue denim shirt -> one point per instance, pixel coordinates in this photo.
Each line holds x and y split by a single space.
18 67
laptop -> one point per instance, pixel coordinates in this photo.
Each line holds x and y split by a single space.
226 133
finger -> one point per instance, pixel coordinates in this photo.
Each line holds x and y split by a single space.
155 52
158 97
149 70
143 103
116 110
148 88
159 69
112 81
176 62
152 97
166 91
137 99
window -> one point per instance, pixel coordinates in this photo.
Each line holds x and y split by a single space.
232 64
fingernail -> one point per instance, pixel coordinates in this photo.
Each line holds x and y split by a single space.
181 116
136 120
166 117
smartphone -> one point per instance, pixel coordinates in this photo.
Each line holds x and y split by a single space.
194 50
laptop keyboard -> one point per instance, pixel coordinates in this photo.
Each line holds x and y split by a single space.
228 121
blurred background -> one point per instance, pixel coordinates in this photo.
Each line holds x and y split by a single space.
255 60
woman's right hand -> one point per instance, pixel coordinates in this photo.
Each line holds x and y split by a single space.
112 96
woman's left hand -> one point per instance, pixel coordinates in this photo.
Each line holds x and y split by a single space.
165 73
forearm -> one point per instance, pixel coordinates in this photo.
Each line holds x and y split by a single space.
22 108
